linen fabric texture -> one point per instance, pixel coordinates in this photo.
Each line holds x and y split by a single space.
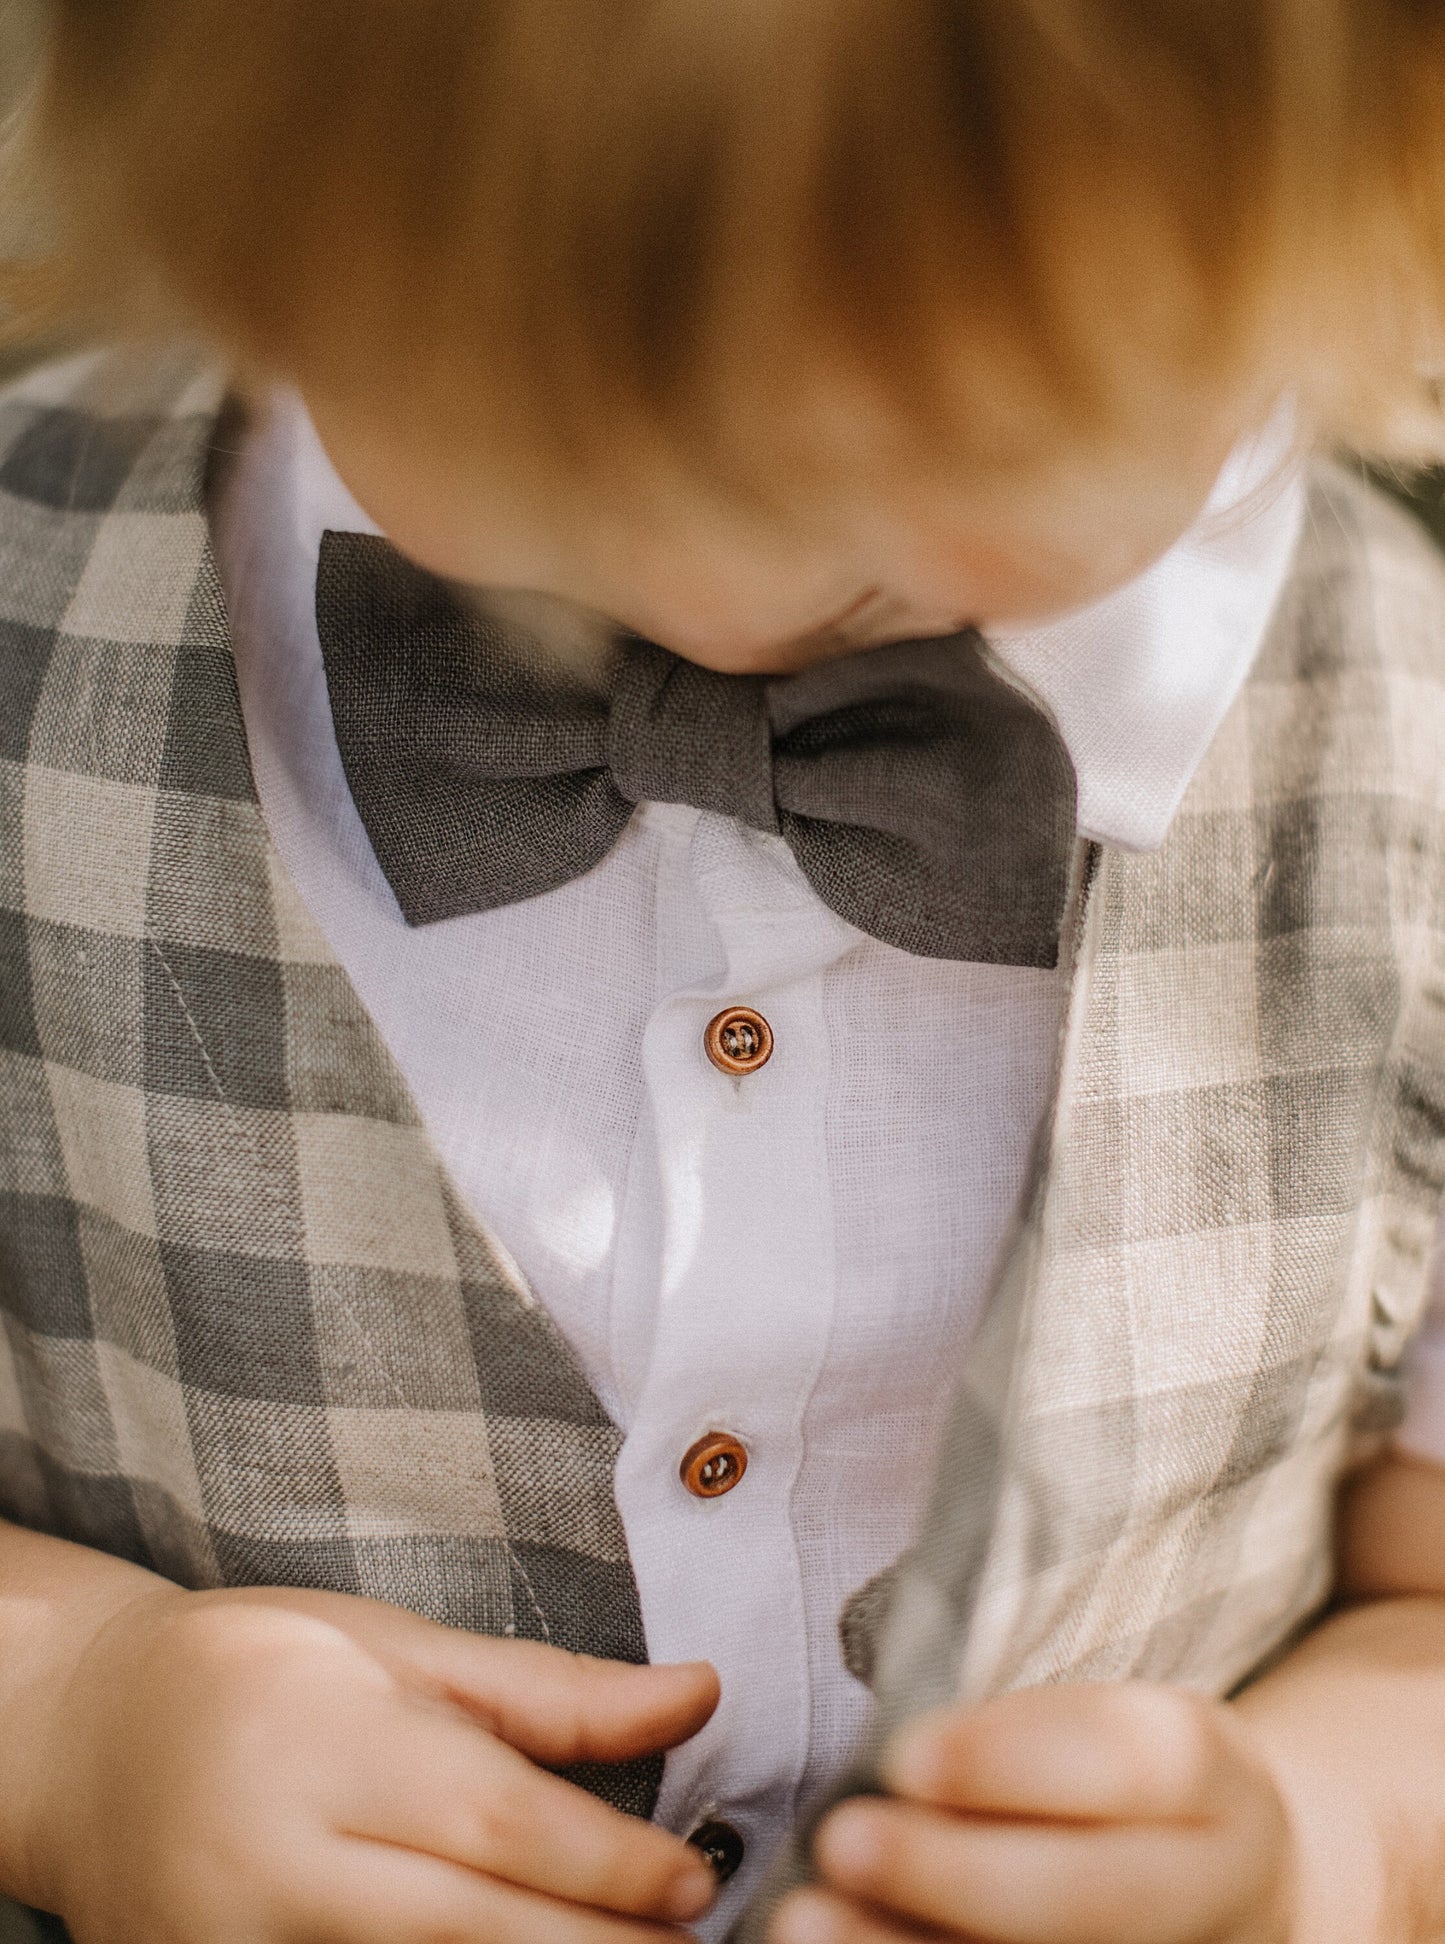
249 1334
1225 1248
250 1337
796 1258
926 799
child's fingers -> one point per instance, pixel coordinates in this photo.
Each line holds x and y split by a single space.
449 1791
561 1708
382 1896
1036 1883
818 1917
1123 1752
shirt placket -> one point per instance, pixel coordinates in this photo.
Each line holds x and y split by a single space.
723 1304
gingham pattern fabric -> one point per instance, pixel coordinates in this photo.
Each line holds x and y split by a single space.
249 1336
247 1333
1202 1316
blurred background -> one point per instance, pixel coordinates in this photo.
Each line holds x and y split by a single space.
19 37
19 228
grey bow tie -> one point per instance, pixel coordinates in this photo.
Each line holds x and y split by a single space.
925 800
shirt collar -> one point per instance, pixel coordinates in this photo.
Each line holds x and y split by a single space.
1138 683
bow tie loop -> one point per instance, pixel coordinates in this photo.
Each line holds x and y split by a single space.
678 733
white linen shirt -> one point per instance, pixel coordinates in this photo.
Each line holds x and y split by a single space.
798 1257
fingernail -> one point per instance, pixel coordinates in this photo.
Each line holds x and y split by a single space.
805 1919
691 1894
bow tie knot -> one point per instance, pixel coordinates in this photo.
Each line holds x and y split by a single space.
677 733
924 798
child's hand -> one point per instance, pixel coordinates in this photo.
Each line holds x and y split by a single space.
1064 1815
272 1765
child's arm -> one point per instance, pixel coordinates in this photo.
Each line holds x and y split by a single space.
266 1765
1310 1811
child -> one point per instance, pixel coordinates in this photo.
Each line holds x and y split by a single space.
591 1070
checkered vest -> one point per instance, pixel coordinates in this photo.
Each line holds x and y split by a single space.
249 1334
1200 1322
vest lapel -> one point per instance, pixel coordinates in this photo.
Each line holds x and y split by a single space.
1227 1244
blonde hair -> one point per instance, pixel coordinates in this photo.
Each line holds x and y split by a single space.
568 230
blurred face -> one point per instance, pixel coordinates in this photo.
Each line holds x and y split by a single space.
748 596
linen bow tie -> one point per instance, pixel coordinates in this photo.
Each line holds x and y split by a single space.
926 801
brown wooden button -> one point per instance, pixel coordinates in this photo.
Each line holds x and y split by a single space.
739 1040
713 1465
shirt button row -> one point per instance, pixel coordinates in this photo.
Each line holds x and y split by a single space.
739 1040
